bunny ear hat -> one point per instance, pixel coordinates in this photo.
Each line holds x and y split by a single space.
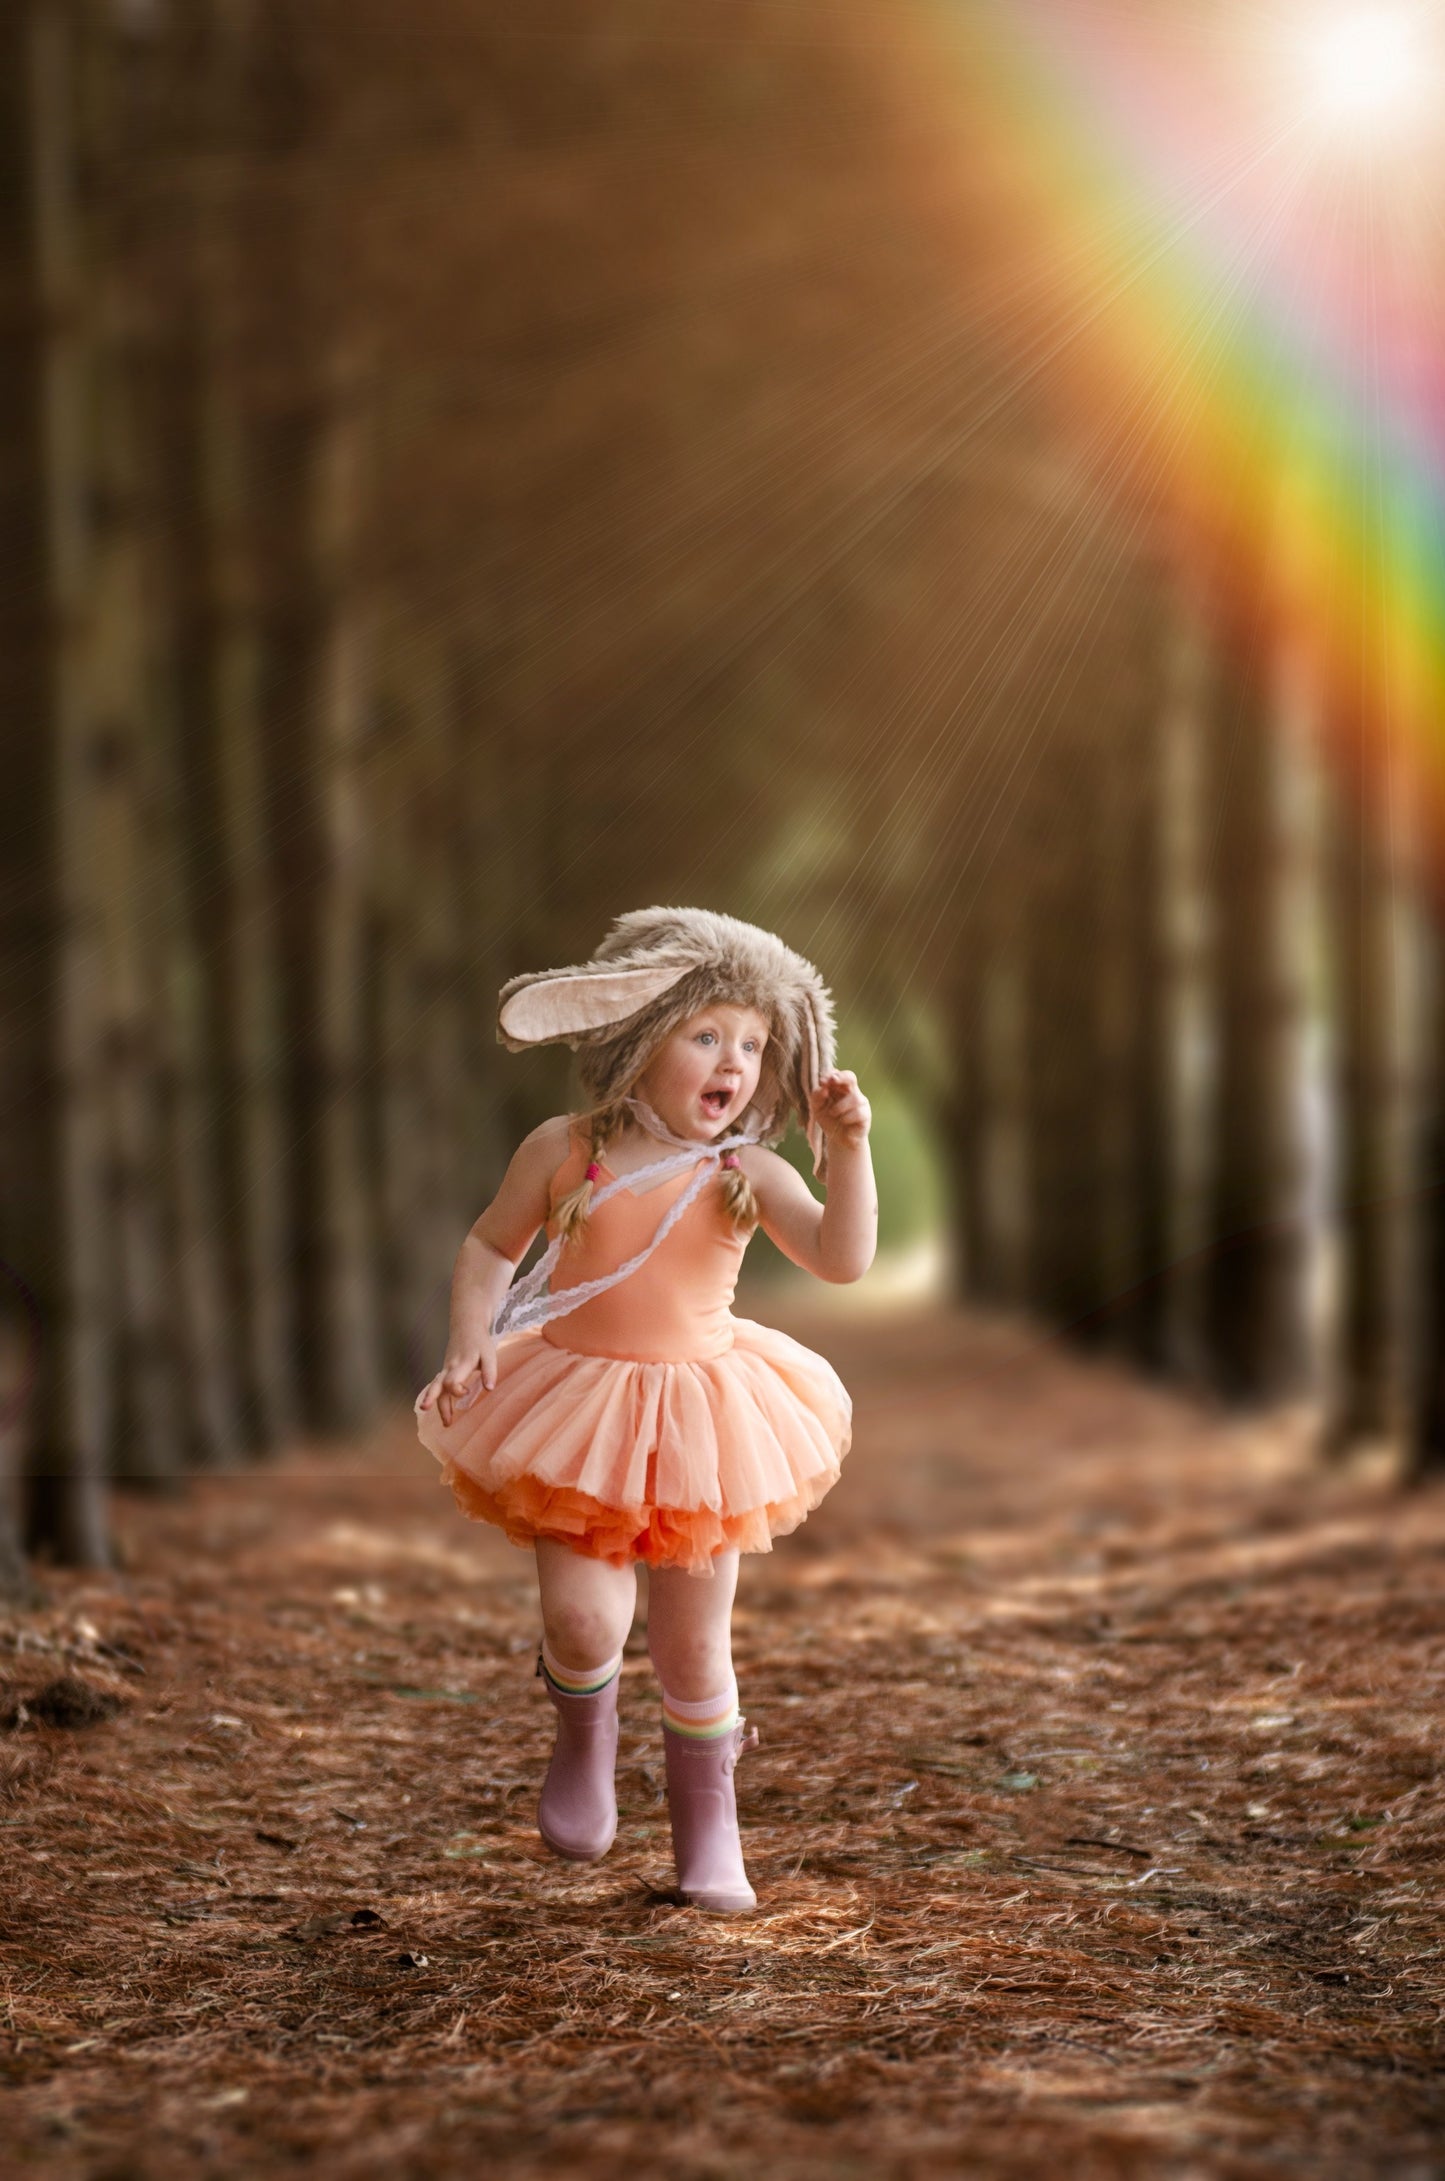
654 969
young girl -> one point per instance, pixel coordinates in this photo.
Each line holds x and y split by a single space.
608 1408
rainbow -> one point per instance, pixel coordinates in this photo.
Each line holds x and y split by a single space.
1236 301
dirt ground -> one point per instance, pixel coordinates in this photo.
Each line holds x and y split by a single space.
1097 1821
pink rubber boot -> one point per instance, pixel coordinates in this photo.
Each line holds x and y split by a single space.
577 1815
703 1810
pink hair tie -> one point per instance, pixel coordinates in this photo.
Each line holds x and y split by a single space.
594 1172
730 1158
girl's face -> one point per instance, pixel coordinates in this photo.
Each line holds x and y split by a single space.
705 1073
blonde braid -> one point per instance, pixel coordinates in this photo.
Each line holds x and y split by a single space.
574 1209
739 1202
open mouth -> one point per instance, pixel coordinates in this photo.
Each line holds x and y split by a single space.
717 1101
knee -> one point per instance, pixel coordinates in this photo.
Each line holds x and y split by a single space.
581 1635
692 1664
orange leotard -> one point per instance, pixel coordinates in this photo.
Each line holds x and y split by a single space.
649 1423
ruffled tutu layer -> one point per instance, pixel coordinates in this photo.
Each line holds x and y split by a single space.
664 1462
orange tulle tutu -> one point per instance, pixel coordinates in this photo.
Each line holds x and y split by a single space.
719 1433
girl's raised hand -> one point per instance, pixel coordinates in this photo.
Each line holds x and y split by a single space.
839 1107
459 1381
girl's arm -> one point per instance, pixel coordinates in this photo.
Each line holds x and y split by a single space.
486 1261
835 1240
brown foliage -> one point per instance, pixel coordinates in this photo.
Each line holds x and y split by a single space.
1096 1822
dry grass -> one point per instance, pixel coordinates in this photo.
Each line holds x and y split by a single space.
1096 1822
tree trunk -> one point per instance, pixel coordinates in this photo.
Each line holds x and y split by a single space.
1186 1058
409 1297
1120 1102
963 1117
490 879
1262 1339
229 1122
1138 1206
28 1145
61 1227
132 845
317 727
1418 1244
1422 1347
416 822
1379 1018
999 1246
1063 1272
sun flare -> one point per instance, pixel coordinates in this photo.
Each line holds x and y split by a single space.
1366 67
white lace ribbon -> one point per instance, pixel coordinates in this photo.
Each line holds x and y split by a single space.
527 1304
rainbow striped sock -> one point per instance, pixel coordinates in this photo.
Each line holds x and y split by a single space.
572 1681
703 1721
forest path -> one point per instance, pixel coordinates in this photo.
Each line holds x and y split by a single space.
1097 1821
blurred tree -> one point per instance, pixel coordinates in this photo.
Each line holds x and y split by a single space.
316 511
148 968
1259 1295
1378 1018
60 1226
211 264
1185 927
1424 1352
420 884
1133 989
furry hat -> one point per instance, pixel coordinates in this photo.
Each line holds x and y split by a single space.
654 969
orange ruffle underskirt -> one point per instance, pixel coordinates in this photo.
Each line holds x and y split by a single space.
669 1463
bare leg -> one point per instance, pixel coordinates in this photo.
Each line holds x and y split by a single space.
689 1633
587 1605
587 1608
689 1628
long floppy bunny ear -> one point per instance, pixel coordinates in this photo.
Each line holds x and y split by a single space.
565 1004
